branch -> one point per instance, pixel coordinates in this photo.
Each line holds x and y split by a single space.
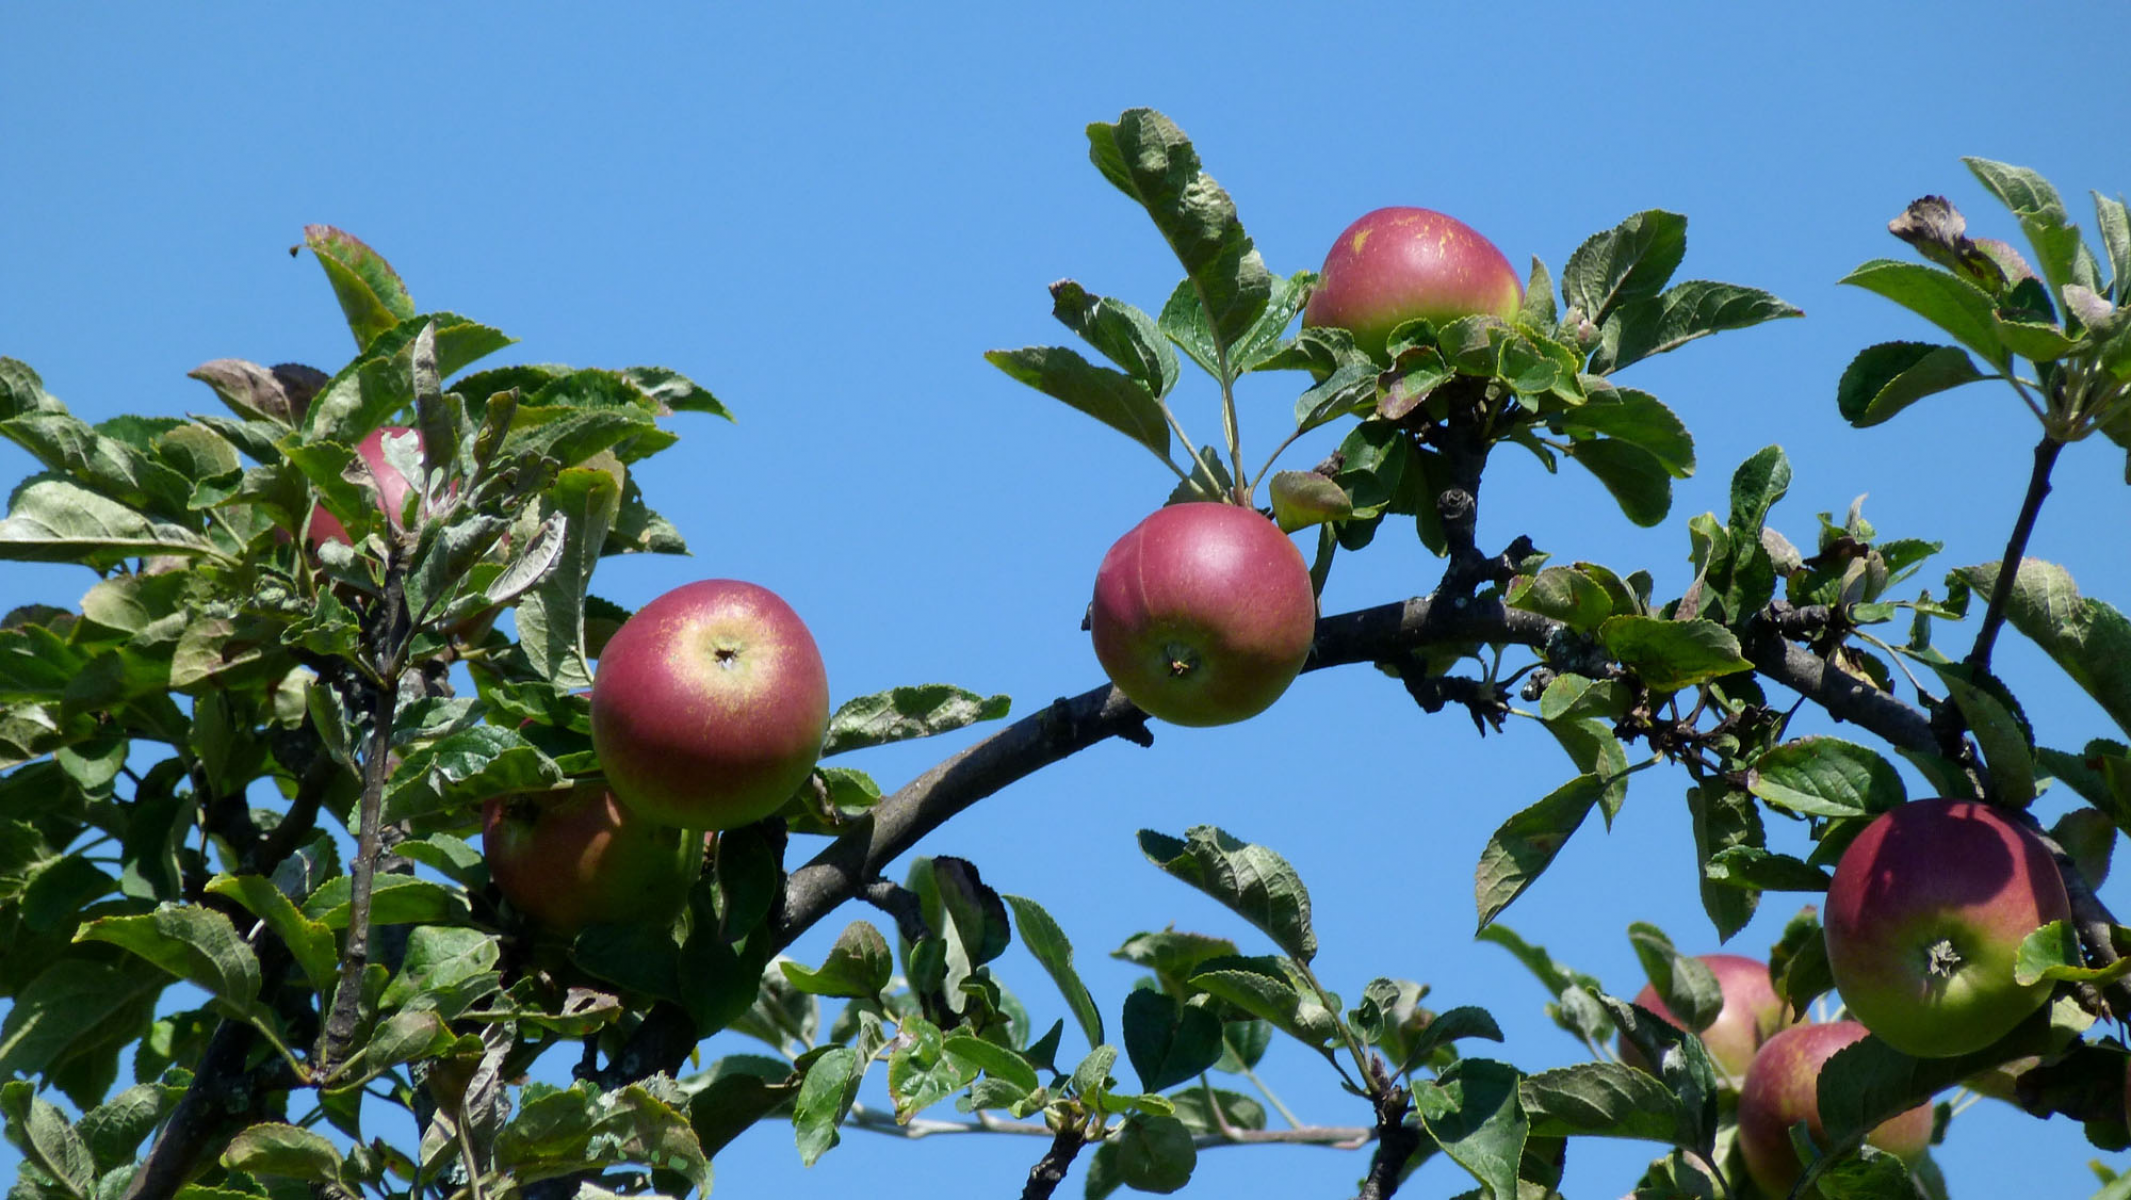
1396 1141
1050 1170
2038 488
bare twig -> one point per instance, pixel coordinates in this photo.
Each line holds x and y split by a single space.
2038 488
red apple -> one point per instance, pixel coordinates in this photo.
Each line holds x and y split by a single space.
1401 264
1752 1011
1203 613
1924 920
709 706
1782 1089
568 859
392 487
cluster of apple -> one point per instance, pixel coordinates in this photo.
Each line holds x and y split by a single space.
708 712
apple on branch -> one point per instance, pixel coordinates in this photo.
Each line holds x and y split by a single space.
709 706
1924 920
1783 1088
1203 613
392 487
576 857
1402 264
1752 1013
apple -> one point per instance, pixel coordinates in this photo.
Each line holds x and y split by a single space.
392 487
1399 264
1924 920
1203 613
709 706
568 859
1752 1011
1782 1089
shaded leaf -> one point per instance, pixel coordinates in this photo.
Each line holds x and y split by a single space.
1525 845
1889 377
1047 942
1112 397
1250 880
902 713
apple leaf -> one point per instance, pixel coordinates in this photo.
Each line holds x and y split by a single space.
1685 985
310 943
1266 988
1125 335
1670 655
1525 845
1764 870
1561 982
1474 1111
1305 498
1155 1153
859 965
440 957
738 1090
1571 597
1169 1042
1960 308
55 520
2007 750
464 768
396 900
1424 1033
2059 250
1145 156
1726 822
1112 397
1826 777
72 1005
1600 1099
674 392
113 1130
920 1071
1645 326
2088 638
1889 377
370 292
1683 1065
1261 343
2052 952
1250 880
1047 942
902 713
1631 261
1346 391
1638 480
1172 955
196 944
1639 419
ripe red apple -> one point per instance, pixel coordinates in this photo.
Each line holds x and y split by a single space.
1924 920
709 706
1203 613
1752 1011
568 859
1399 264
1782 1089
392 487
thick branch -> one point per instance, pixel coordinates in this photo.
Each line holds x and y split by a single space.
1396 1143
201 1112
1050 1170
1844 697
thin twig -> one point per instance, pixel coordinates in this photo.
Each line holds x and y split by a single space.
2001 593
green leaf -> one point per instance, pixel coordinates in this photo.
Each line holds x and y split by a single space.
551 617
198 945
1112 397
1047 942
41 1132
1349 390
2114 222
1473 1111
1565 983
1525 845
1889 377
394 900
1637 479
310 943
465 768
859 965
113 1130
1566 595
1172 955
2007 751
71 1006
1145 156
1798 962
1685 985
1826 777
1671 655
2059 251
440 958
1265 988
920 1071
902 713
1155 1154
1639 419
1963 310
1001 1063
1726 820
370 292
1123 334
1683 1065
1631 261
1600 1099
54 520
672 391
1764 870
2090 640
1250 880
1305 498
2052 952
1697 308
824 1098
1168 1042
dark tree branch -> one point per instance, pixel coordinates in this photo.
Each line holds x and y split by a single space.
900 903
202 1112
1396 1141
1050 1170
2001 593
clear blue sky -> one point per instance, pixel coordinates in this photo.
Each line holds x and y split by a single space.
828 218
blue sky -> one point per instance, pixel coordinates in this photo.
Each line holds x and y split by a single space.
827 218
